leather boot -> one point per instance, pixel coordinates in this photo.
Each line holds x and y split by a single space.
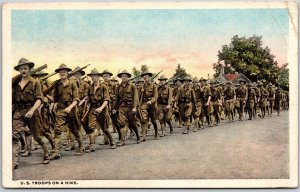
155 130
171 126
123 132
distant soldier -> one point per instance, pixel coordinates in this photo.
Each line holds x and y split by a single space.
278 100
164 102
125 106
66 97
251 101
263 99
178 85
229 99
221 87
148 105
241 94
98 98
26 99
257 100
215 102
197 109
185 99
82 89
206 107
271 98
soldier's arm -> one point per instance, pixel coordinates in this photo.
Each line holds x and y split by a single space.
115 102
75 96
234 93
106 97
135 97
209 95
155 95
38 95
170 96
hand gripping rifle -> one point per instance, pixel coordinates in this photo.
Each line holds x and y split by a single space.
33 71
55 83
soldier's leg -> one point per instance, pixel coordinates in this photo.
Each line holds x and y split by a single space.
104 127
152 115
28 140
144 119
133 123
90 129
35 126
161 118
187 114
122 119
17 129
46 126
74 125
168 119
71 144
23 142
60 125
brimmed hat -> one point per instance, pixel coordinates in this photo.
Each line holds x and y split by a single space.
260 84
162 78
242 80
202 79
94 72
124 72
270 84
107 72
146 73
23 61
195 79
178 79
228 82
40 74
140 80
114 79
81 71
62 67
212 82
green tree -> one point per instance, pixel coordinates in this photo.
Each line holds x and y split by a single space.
248 56
181 72
283 77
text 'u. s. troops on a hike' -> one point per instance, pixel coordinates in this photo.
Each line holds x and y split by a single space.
79 109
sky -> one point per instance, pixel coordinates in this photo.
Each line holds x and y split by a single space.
123 39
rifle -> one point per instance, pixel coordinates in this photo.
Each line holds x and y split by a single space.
135 77
45 78
171 79
86 110
33 71
55 83
153 77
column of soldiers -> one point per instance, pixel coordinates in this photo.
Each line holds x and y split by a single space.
74 107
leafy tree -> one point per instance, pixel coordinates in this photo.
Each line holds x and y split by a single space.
248 56
181 72
283 77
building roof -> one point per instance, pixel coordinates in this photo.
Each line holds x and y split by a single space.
231 77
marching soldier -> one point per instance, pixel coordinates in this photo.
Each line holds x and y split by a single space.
257 100
251 101
112 90
82 89
229 99
44 110
178 85
164 102
66 98
185 99
148 108
263 99
214 102
27 98
206 107
241 94
198 104
98 98
278 100
271 98
125 107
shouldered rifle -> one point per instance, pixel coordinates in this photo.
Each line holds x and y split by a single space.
33 71
55 83
154 76
168 81
135 77
50 75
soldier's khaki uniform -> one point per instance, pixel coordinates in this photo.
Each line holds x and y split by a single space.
185 99
23 100
64 95
197 110
241 98
126 100
206 109
176 109
215 103
148 93
96 98
250 102
263 101
278 100
82 90
165 115
229 94
256 104
271 99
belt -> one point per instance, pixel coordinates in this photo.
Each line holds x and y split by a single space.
127 103
147 98
63 105
23 105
